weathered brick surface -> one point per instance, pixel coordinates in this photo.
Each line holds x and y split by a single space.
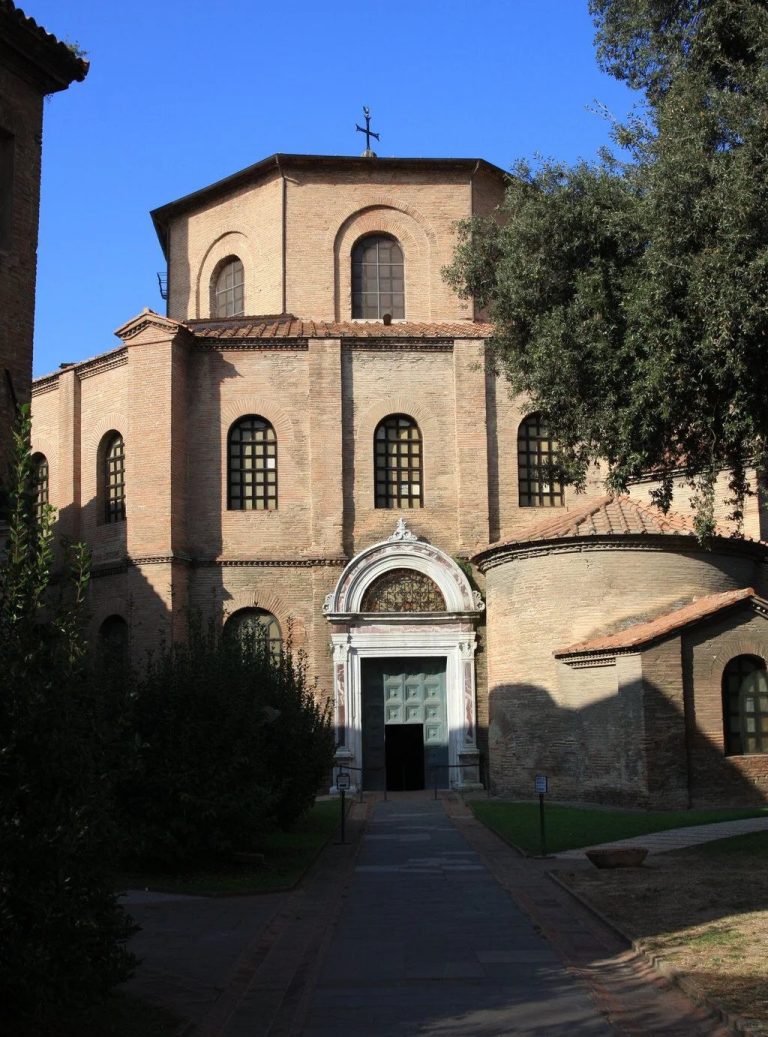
21 115
618 729
715 777
577 723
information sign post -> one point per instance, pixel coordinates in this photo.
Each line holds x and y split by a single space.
342 784
541 784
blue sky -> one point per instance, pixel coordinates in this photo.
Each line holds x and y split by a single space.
181 94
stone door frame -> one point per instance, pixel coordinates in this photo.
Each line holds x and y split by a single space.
356 636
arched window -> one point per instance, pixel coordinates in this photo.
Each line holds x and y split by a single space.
40 484
398 463
537 477
228 289
252 465
114 636
113 477
745 705
256 623
378 285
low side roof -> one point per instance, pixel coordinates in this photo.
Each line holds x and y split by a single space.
644 633
55 62
162 216
285 325
603 516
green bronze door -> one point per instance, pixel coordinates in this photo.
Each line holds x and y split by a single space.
405 723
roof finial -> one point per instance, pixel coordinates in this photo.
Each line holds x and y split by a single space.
368 133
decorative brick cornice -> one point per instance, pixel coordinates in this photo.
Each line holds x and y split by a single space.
44 385
101 364
270 563
296 345
407 346
148 319
616 542
583 662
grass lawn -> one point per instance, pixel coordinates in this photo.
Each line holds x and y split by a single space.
287 857
570 827
117 1016
703 910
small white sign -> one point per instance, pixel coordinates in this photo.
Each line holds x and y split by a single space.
541 784
342 781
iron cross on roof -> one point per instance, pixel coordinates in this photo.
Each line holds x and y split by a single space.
368 133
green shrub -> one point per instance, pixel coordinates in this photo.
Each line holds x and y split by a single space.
62 933
230 742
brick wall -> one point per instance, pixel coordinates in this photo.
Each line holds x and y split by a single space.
715 777
21 124
544 714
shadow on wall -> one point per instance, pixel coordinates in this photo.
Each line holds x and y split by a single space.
636 748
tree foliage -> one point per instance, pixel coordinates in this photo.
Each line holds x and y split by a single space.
62 933
630 295
230 742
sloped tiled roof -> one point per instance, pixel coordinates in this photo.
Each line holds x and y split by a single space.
58 61
288 326
609 516
643 633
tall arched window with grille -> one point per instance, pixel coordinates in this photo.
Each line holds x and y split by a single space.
398 463
113 477
745 706
228 289
252 465
378 283
40 477
539 485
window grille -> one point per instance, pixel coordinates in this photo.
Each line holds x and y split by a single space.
40 477
256 624
252 466
745 706
403 590
538 482
114 480
378 284
398 463
229 289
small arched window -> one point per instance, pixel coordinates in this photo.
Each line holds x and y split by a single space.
403 590
378 284
114 636
398 463
539 485
113 477
745 706
40 484
256 624
228 289
252 465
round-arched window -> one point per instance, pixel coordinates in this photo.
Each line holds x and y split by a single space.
745 706
257 624
114 635
378 284
228 289
403 590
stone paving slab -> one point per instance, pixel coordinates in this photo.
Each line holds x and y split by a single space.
678 838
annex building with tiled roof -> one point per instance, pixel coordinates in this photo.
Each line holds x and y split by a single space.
313 439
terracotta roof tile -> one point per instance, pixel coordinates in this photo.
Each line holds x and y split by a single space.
642 633
70 65
288 326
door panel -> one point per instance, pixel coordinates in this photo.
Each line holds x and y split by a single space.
404 692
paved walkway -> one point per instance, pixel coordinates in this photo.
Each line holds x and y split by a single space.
677 838
423 923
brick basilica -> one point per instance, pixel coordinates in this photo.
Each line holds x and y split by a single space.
312 439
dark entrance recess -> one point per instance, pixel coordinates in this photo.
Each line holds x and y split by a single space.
404 752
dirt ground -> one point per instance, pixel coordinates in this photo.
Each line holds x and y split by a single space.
706 916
